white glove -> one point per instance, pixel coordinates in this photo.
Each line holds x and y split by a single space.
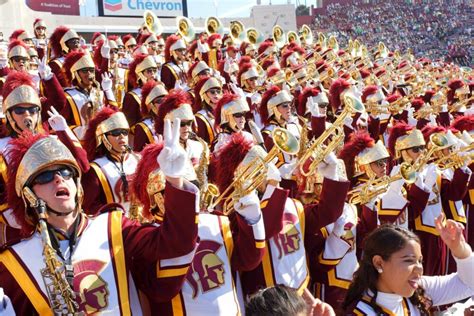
56 121
181 85
202 47
106 81
432 119
348 121
411 120
172 158
313 107
328 168
287 169
105 50
44 70
444 108
273 173
396 186
256 98
431 175
237 91
6 307
338 229
249 207
3 62
227 64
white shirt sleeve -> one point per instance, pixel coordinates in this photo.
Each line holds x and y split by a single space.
451 288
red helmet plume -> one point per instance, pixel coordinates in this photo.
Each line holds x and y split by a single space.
369 90
70 60
55 40
464 123
337 87
303 98
132 76
170 41
14 80
398 130
90 141
226 98
263 109
170 102
428 130
358 142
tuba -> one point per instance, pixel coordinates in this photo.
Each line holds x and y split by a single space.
237 32
278 36
185 28
252 175
254 36
306 35
329 140
152 22
293 37
213 26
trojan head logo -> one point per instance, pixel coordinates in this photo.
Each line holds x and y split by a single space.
288 240
91 288
348 235
207 269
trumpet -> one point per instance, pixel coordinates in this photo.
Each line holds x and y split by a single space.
253 174
458 105
437 142
455 160
376 186
318 150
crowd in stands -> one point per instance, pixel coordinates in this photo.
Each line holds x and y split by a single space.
431 29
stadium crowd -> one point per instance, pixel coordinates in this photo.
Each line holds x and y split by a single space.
437 30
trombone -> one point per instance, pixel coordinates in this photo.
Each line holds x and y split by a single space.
252 175
318 150
376 186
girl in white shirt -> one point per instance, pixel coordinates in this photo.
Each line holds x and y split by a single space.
390 278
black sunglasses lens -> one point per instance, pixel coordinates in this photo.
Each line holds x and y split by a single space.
186 123
48 176
21 111
118 132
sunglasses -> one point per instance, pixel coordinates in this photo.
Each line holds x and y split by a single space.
118 132
20 110
284 105
253 79
186 123
381 162
151 70
19 59
239 115
87 70
48 176
417 149
215 91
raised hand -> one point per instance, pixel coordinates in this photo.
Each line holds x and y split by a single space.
105 50
56 121
451 233
172 159
106 81
44 70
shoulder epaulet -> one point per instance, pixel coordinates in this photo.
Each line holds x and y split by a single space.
10 236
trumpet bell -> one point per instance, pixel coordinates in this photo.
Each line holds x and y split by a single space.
278 36
185 28
354 103
407 173
214 25
237 32
152 22
439 140
285 141
254 36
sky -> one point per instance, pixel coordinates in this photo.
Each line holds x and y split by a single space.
225 8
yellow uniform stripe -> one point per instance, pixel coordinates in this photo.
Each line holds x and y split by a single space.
75 110
168 273
119 259
103 180
14 267
147 131
177 305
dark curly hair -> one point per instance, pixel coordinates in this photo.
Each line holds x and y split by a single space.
383 241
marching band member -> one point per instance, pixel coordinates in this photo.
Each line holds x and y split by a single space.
208 93
62 41
178 105
248 77
214 55
144 131
275 111
142 69
84 97
230 119
22 107
95 253
198 71
112 165
173 72
40 40
227 244
129 43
